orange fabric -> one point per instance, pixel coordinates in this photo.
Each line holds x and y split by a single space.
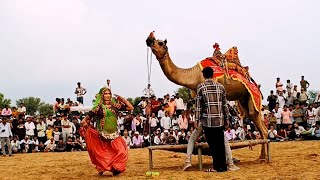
172 106
105 155
233 74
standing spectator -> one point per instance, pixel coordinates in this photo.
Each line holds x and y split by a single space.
304 83
5 134
166 121
30 127
56 106
289 99
174 122
279 86
272 119
172 107
264 111
272 100
179 105
211 99
108 84
138 123
311 114
57 123
286 115
153 122
148 92
191 119
66 128
303 96
50 121
295 91
21 110
21 130
281 100
120 123
56 135
297 114
183 121
289 86
80 92
266 120
6 112
277 113
41 128
49 132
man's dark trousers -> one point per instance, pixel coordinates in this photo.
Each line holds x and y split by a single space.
215 139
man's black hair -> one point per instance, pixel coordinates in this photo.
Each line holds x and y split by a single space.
207 72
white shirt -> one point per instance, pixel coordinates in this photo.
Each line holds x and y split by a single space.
240 133
281 101
42 127
22 109
153 122
161 113
80 91
267 112
50 122
29 128
272 134
230 135
179 103
148 92
7 130
120 122
192 118
278 115
175 124
157 140
128 141
66 123
166 122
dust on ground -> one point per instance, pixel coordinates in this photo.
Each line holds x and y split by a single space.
290 160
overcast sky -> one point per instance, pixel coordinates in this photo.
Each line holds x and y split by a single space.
46 47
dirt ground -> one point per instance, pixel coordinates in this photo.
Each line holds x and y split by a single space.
290 160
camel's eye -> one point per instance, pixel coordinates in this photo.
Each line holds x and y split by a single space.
160 43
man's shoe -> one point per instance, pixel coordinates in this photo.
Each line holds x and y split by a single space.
235 160
11 155
233 168
187 166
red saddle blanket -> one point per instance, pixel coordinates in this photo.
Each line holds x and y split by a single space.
234 75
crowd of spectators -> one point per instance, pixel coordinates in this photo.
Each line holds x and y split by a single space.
160 121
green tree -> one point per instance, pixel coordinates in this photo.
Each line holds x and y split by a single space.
184 93
130 100
3 101
32 104
312 94
46 109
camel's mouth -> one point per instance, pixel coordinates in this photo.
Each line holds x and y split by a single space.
150 41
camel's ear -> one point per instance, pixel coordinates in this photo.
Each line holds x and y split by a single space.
165 41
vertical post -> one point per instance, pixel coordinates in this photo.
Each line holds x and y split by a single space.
200 158
268 152
150 160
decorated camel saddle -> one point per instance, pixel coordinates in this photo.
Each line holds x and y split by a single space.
230 60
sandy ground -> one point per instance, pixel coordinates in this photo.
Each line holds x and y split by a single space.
290 160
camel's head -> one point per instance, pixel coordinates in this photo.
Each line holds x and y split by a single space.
158 47
232 53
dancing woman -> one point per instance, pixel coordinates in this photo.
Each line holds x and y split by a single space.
107 150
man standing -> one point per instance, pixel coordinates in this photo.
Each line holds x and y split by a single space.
179 105
304 84
211 110
272 100
148 92
22 110
5 134
80 92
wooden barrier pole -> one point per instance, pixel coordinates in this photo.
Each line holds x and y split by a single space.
268 152
150 160
200 158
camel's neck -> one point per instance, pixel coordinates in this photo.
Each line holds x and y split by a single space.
189 78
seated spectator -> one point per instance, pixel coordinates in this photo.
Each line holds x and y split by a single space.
266 120
189 132
127 139
273 135
175 125
283 133
137 140
250 135
171 139
316 132
41 147
146 139
69 145
158 140
291 134
24 144
239 132
298 130
164 136
35 144
78 145
181 139
230 134
61 147
15 145
50 145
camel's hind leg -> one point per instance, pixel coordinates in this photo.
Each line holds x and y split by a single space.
248 108
256 117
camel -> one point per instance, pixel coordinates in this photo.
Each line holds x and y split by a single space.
191 77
